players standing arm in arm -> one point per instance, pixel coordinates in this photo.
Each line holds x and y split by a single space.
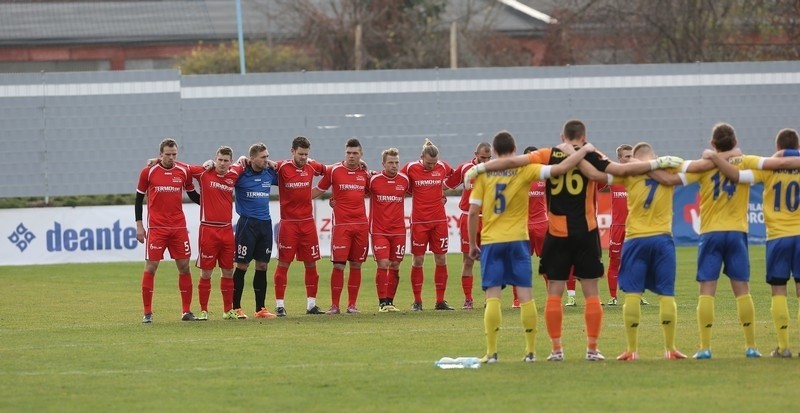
628 169
746 176
529 158
550 171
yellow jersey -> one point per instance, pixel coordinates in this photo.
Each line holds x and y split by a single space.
649 206
781 202
723 204
503 198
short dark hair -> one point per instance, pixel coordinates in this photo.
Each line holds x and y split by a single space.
353 143
167 142
574 129
530 149
301 142
504 143
787 139
723 137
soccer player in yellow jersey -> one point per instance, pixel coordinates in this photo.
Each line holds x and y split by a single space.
573 240
782 217
723 240
648 255
501 197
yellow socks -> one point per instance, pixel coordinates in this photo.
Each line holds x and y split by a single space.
705 320
529 318
780 318
631 316
747 318
668 312
492 317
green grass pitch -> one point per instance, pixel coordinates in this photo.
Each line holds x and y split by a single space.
71 340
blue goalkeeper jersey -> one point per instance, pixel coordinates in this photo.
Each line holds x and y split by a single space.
252 193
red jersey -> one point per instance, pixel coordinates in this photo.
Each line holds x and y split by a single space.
619 205
216 194
349 189
427 191
164 189
457 178
294 189
387 215
537 203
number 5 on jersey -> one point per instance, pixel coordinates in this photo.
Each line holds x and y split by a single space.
499 198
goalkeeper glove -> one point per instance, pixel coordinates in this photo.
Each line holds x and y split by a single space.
473 172
665 162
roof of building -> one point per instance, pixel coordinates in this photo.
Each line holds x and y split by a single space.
168 21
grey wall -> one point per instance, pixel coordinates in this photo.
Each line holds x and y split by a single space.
89 133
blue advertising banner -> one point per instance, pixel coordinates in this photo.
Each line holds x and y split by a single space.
686 217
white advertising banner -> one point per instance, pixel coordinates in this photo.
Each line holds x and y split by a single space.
108 233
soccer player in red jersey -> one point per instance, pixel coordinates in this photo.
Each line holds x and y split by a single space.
483 152
350 237
297 236
163 184
387 226
428 221
619 213
216 240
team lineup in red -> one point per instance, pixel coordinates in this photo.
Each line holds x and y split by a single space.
558 212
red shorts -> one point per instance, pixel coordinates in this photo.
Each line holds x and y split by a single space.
615 240
217 245
433 234
175 240
536 233
298 239
463 226
349 242
389 247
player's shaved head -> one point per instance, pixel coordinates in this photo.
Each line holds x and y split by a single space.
640 149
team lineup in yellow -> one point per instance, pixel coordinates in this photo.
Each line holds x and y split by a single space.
499 201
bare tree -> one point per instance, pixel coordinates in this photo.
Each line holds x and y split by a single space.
400 34
675 31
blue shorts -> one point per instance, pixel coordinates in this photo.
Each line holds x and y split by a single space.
253 240
783 260
648 263
728 247
506 263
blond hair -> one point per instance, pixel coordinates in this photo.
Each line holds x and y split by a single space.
389 152
257 148
428 148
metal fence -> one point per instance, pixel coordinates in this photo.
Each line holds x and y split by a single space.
90 133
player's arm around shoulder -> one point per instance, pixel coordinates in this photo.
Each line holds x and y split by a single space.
668 177
574 158
726 168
